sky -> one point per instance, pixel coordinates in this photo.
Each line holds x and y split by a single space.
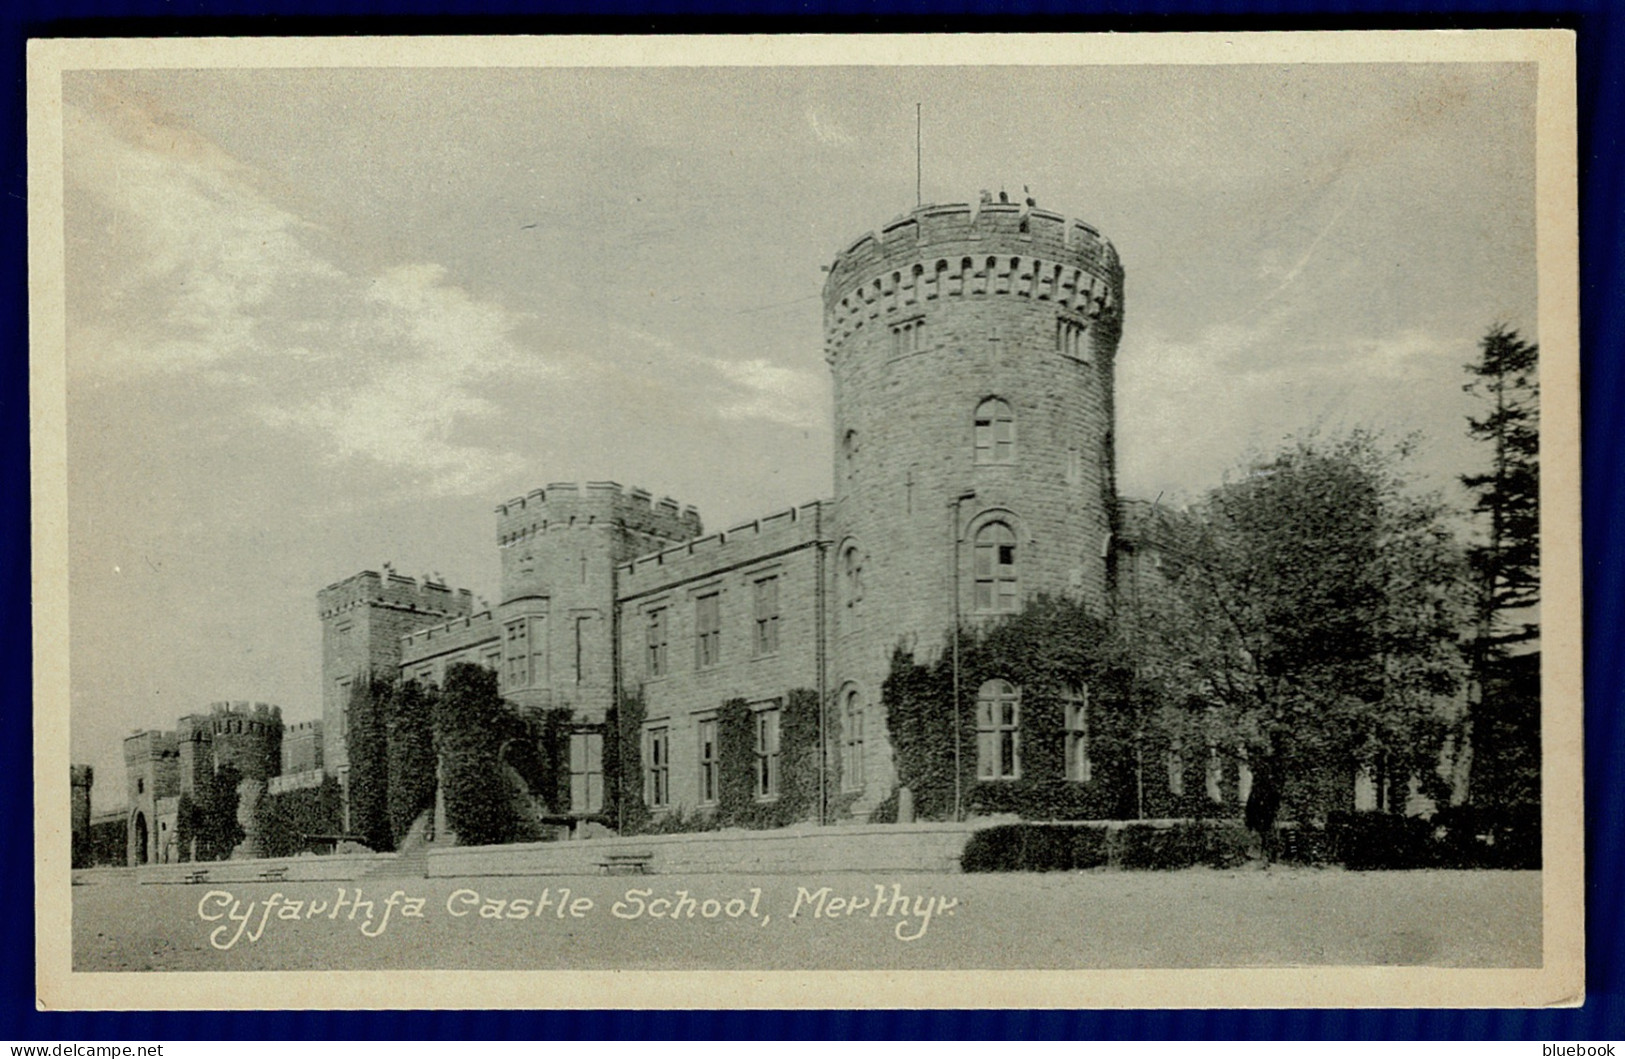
320 319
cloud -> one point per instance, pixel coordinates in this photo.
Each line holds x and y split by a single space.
776 394
827 131
1192 410
208 275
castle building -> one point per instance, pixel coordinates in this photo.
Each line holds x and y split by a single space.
161 767
972 351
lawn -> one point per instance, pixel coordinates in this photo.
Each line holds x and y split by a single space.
1099 919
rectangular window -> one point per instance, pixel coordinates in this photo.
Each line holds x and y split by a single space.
344 708
767 752
852 743
1215 775
708 630
538 652
657 754
998 746
1076 708
516 650
708 761
656 656
580 647
586 772
767 616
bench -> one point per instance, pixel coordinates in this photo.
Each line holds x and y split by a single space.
629 862
276 874
198 875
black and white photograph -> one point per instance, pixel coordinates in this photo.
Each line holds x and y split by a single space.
934 521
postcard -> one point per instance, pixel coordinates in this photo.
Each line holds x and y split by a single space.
935 521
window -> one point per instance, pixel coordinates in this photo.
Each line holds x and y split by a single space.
517 652
708 760
852 742
767 752
580 658
995 432
538 652
657 636
996 587
998 741
1069 339
344 708
708 629
1075 704
852 576
586 772
657 782
767 615
908 337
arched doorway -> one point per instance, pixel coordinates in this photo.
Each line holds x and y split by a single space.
138 844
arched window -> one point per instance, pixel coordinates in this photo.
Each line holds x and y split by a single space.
997 590
995 432
998 731
852 575
852 742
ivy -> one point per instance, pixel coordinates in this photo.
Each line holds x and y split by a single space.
287 820
625 724
737 762
410 755
207 823
367 743
484 804
1047 650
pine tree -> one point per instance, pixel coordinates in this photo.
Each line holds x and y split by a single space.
1504 704
1507 564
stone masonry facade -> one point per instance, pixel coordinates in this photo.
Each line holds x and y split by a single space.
972 351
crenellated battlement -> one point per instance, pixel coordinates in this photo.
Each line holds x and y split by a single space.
954 251
577 505
787 528
231 718
457 628
149 744
389 589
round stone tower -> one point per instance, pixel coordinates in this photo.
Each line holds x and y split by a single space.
973 354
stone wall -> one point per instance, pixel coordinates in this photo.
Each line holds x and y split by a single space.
775 560
856 848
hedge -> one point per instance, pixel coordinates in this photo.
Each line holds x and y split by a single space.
1076 847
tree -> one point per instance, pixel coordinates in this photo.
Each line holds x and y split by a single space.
1311 624
1503 723
1507 564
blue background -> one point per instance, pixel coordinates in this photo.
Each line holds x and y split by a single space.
1601 28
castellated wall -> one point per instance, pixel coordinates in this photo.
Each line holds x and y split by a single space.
949 316
364 618
245 735
302 747
758 586
560 547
